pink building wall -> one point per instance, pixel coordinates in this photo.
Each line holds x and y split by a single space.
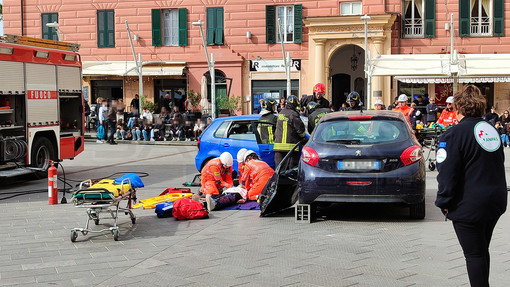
77 20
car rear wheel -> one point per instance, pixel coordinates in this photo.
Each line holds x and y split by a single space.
417 211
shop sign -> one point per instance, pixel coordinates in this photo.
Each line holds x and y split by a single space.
273 65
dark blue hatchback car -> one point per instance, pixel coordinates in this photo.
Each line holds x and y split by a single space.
372 157
231 134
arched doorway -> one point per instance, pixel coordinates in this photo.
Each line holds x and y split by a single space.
223 85
347 73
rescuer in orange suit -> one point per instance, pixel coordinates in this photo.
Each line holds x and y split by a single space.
240 163
217 174
404 108
448 116
256 174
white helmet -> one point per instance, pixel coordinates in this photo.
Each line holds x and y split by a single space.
226 159
378 102
240 155
402 98
247 153
449 100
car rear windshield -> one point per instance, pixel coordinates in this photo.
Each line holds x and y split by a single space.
361 132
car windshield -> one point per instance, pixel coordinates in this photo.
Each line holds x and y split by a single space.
361 132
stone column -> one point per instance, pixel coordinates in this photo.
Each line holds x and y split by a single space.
319 61
377 82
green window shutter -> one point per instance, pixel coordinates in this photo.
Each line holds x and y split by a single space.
211 25
270 24
403 19
45 29
183 27
498 18
430 19
298 23
110 28
105 28
100 29
464 15
156 28
218 38
47 32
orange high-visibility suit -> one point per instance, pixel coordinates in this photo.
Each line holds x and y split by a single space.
214 177
256 174
447 118
406 110
240 168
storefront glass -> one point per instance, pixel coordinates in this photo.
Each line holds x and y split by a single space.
261 89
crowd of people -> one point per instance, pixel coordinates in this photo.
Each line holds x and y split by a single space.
115 123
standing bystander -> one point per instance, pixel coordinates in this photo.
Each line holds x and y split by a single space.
472 190
112 122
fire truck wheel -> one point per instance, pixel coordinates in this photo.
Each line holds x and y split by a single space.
42 151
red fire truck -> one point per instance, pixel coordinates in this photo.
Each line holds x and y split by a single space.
41 104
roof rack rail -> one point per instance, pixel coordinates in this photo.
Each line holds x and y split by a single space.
35 42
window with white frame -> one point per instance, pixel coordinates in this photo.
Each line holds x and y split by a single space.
413 23
285 21
350 8
170 27
481 17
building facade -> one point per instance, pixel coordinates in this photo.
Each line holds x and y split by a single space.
325 39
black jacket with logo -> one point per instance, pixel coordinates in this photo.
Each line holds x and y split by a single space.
321 103
472 183
315 117
289 130
267 127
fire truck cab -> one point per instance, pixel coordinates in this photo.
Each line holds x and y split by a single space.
41 103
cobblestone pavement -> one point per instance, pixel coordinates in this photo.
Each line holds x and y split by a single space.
354 245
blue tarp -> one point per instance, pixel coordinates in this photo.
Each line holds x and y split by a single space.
136 181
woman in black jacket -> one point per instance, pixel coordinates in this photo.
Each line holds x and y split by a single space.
472 185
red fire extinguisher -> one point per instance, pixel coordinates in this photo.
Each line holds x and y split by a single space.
52 184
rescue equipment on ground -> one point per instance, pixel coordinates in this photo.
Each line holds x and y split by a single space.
150 203
104 197
186 208
163 210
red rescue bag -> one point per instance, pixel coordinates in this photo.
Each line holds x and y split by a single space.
187 208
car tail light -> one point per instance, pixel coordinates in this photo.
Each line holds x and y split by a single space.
198 143
360 118
362 183
411 155
309 156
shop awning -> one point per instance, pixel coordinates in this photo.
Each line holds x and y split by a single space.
436 68
428 65
128 68
449 80
484 65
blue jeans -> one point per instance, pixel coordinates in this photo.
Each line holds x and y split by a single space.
137 135
121 134
504 139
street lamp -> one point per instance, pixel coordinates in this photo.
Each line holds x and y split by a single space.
210 64
365 18
54 25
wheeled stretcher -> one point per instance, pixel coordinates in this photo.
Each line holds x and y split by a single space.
103 197
429 137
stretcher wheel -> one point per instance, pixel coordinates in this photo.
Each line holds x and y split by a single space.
96 221
74 235
116 234
432 166
133 220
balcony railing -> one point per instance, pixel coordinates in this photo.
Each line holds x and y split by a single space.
480 26
413 28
